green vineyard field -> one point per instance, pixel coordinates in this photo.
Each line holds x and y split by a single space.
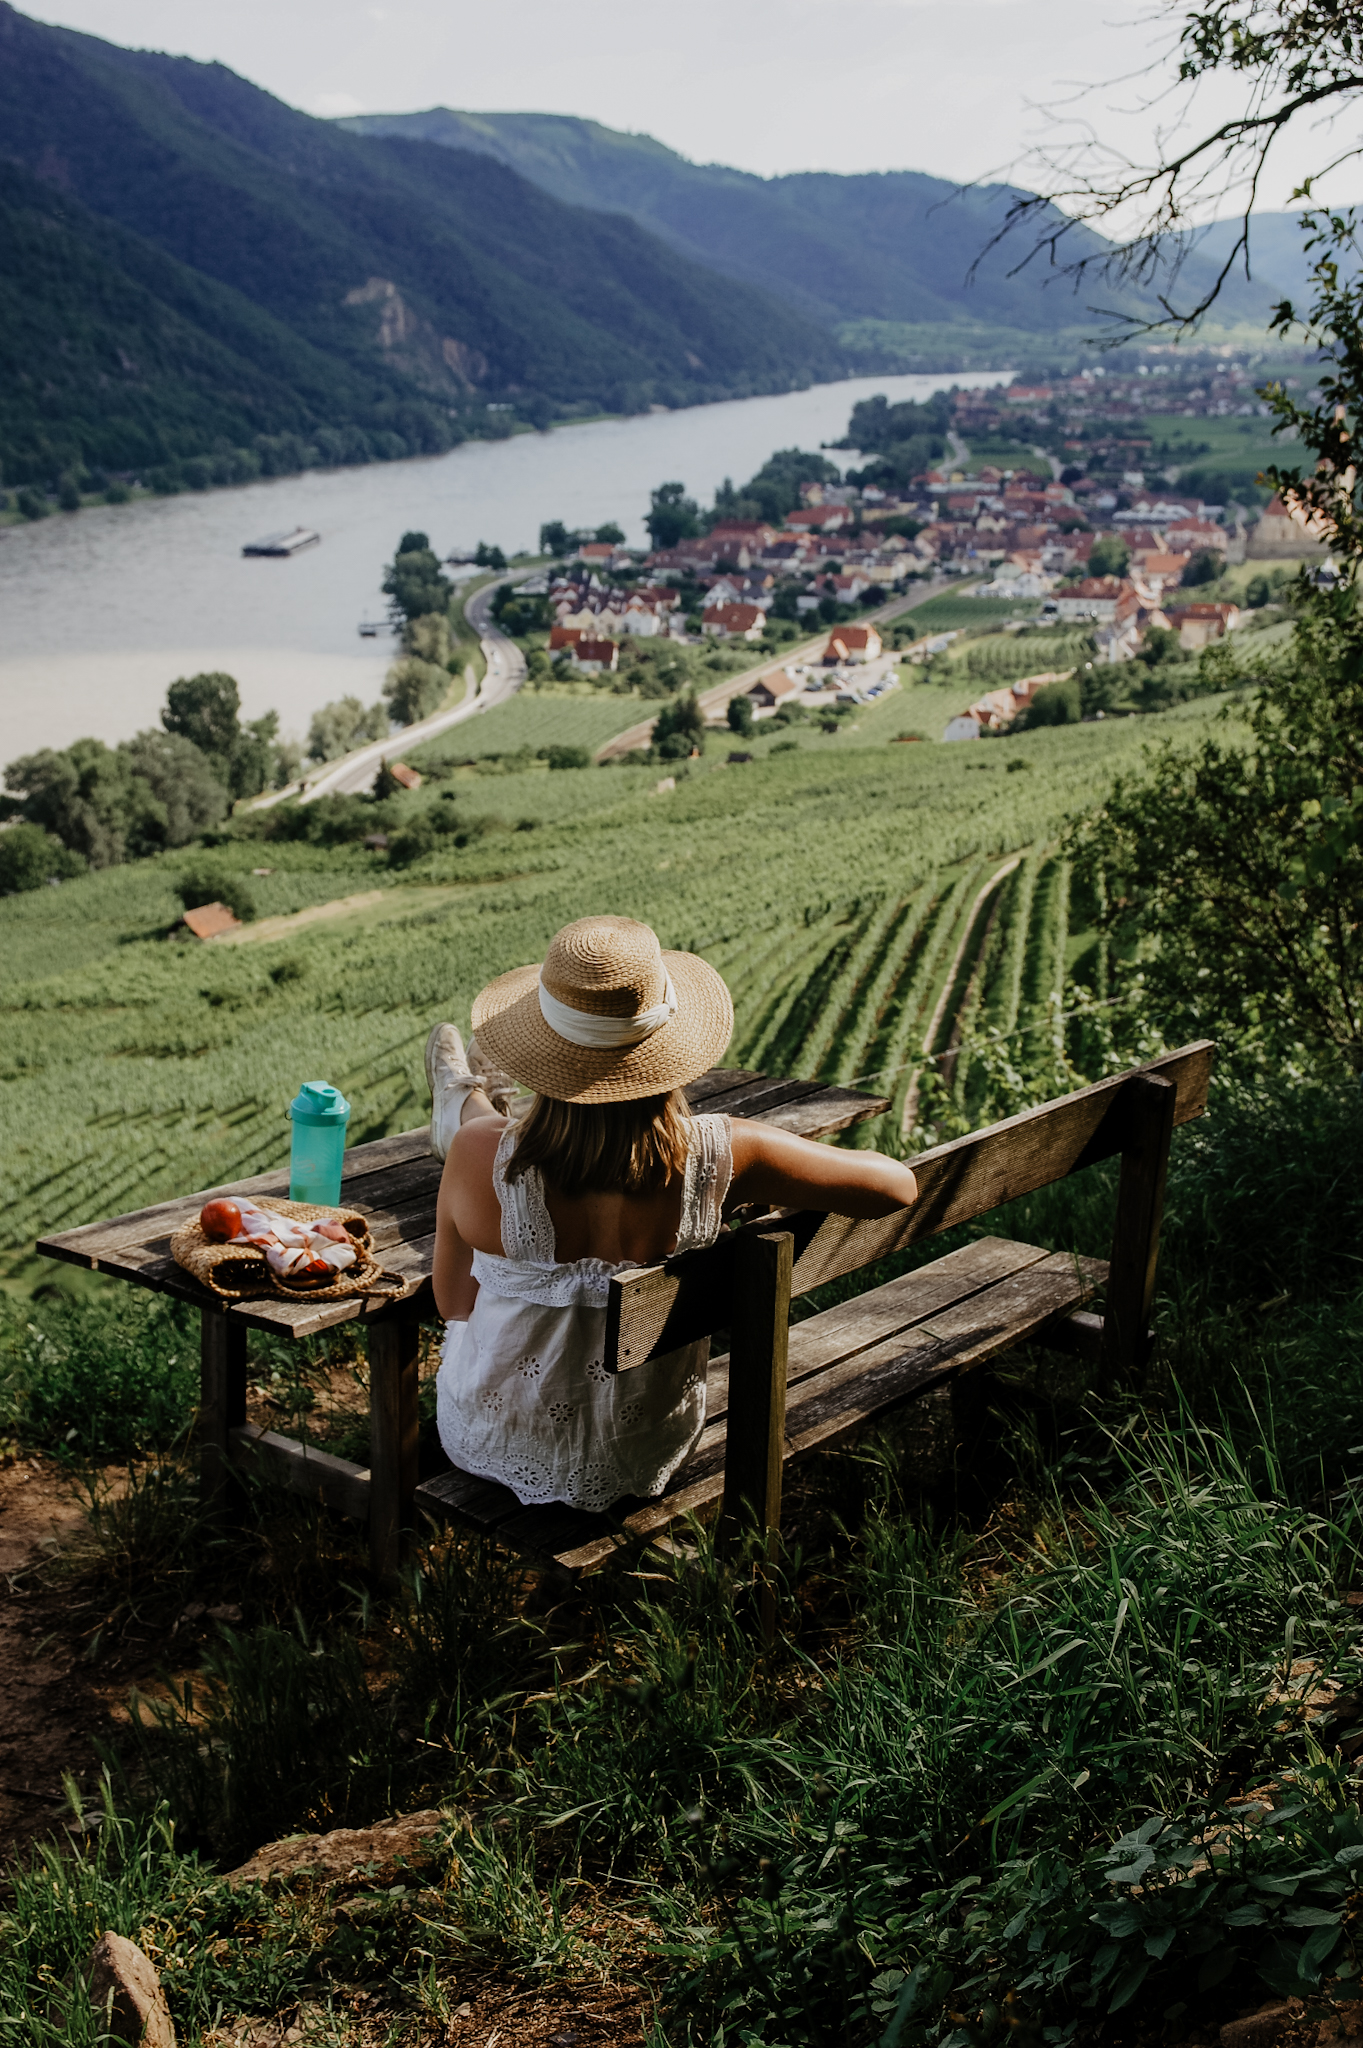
872 906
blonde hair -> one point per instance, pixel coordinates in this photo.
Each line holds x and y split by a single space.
627 1148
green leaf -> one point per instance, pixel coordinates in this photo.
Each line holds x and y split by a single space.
1129 1982
1217 1967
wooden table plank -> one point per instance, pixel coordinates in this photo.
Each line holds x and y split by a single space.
83 1244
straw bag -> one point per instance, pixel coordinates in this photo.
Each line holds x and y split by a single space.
235 1271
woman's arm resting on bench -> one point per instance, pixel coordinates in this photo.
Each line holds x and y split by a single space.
775 1166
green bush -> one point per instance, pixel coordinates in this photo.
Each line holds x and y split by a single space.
1054 704
200 885
33 504
30 857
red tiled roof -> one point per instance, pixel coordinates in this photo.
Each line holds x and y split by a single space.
211 920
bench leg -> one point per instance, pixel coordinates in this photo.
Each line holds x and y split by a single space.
1148 1101
393 1425
755 1443
222 1404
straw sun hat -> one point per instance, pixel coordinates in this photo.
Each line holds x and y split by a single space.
609 1017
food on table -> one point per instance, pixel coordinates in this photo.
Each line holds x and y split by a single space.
220 1220
306 1253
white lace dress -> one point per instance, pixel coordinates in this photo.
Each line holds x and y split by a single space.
522 1394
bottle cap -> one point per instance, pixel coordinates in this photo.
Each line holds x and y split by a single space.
317 1102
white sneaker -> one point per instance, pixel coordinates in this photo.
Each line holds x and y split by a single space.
494 1081
450 1080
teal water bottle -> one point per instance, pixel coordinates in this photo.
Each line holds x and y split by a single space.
319 1114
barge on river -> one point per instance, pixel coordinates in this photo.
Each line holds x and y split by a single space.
283 543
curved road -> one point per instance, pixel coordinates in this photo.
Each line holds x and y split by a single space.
355 772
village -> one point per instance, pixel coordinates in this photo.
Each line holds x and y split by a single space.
1079 531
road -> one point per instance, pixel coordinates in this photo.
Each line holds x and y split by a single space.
715 700
355 773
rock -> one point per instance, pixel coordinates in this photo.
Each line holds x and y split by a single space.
118 1971
372 1855
1261 2029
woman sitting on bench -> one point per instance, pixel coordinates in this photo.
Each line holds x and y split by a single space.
608 1170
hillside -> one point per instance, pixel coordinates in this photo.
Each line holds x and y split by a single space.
116 356
402 272
892 246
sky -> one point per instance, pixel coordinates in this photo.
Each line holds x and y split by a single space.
954 87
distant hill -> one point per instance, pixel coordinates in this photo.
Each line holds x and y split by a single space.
389 286
893 246
1275 251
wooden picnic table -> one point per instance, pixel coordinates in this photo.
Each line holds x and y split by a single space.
393 1182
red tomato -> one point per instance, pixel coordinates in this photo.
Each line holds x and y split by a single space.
220 1220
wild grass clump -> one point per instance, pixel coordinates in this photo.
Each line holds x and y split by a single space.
1022 1796
98 1376
217 1949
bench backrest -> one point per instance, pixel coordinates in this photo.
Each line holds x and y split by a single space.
655 1309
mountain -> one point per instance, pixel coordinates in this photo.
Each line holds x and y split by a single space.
894 246
1275 251
390 286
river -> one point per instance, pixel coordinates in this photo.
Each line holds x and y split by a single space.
101 609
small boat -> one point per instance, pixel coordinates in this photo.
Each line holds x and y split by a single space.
283 543
370 629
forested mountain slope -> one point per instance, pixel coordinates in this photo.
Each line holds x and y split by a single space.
893 245
401 270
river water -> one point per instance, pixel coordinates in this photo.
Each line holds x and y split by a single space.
100 610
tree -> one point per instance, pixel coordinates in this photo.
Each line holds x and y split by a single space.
89 798
1235 871
30 858
672 516
182 779
385 784
1289 63
255 757
1054 704
414 580
611 534
679 728
413 689
1203 567
555 538
740 714
1162 644
429 638
1109 556
338 728
205 710
489 557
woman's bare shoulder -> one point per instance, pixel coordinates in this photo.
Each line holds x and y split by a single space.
467 1188
475 1144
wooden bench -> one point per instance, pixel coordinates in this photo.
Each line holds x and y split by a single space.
394 1182
782 1393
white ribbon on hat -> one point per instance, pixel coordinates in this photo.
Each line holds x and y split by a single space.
605 1034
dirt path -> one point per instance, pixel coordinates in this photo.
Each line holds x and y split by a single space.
49 1707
